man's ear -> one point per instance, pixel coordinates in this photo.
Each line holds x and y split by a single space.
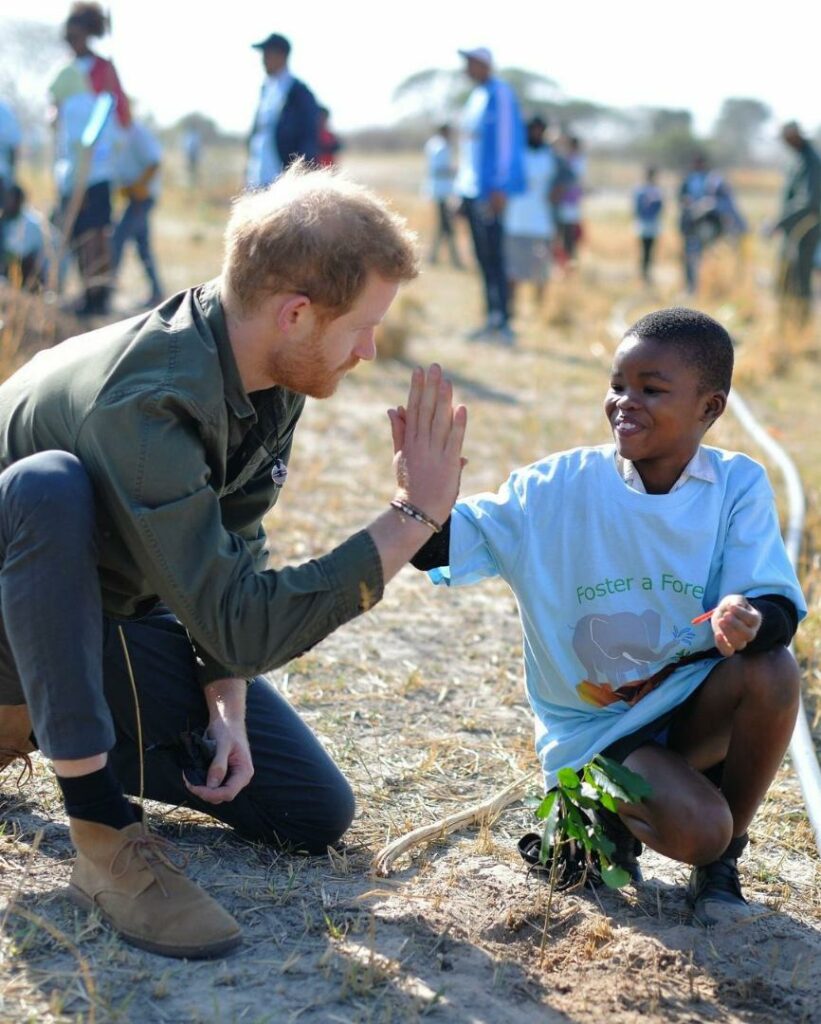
714 405
294 313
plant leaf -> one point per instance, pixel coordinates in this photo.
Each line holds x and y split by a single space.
568 778
636 786
546 804
614 877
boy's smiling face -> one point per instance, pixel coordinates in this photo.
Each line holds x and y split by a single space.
658 409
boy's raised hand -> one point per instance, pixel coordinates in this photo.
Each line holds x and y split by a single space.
735 623
427 441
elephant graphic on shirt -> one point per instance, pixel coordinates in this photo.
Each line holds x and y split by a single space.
614 647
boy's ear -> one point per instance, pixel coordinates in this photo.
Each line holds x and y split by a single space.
714 405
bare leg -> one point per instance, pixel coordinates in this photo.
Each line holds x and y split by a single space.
743 714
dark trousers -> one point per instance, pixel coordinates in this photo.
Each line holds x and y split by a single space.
648 244
488 242
444 233
64 658
134 224
797 264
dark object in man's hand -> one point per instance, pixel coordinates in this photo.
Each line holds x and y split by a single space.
198 752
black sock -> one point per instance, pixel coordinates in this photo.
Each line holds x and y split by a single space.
98 797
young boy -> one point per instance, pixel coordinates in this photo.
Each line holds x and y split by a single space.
612 552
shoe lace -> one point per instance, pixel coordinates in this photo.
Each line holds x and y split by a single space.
9 755
152 850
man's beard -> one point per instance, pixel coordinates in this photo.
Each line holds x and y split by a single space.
307 372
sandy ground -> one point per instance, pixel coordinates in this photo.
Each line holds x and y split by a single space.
421 702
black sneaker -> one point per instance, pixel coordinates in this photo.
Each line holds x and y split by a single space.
714 890
628 848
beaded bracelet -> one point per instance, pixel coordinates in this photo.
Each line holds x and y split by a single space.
413 512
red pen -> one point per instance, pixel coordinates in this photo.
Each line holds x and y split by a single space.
697 621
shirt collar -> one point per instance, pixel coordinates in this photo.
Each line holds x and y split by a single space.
700 467
208 297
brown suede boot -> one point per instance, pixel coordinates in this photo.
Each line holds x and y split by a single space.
135 880
15 738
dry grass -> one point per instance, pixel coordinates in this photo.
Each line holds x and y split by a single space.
421 702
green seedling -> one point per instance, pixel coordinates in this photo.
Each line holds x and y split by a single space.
601 784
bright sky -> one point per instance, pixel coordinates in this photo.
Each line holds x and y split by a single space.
176 56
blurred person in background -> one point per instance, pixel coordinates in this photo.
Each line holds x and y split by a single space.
648 203
799 222
286 124
329 144
490 170
25 241
708 211
138 166
10 138
567 197
86 187
439 186
192 151
529 226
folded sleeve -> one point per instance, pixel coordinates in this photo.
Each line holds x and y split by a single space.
146 458
753 560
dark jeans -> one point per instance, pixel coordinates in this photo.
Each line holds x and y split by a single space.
64 658
648 243
134 223
488 242
797 264
444 233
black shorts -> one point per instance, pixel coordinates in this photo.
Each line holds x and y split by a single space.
657 731
95 213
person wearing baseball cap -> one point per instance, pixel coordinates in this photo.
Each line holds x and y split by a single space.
286 124
491 168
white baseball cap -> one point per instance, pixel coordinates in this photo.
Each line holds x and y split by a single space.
480 53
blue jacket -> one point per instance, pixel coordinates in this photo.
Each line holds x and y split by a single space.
297 127
502 142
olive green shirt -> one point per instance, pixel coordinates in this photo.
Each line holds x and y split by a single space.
180 457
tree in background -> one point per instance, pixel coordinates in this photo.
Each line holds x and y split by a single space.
738 128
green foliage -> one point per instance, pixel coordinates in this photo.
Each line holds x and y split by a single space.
602 783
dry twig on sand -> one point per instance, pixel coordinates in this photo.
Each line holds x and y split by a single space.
486 811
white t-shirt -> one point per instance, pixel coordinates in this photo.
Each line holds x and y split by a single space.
470 142
264 163
608 580
529 214
439 184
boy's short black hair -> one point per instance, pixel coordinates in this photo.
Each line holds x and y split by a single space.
701 341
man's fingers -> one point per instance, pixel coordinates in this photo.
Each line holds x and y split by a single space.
456 438
217 771
442 415
414 398
427 404
397 429
235 783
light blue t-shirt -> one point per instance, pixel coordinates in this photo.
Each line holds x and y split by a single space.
139 149
75 107
607 582
10 138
